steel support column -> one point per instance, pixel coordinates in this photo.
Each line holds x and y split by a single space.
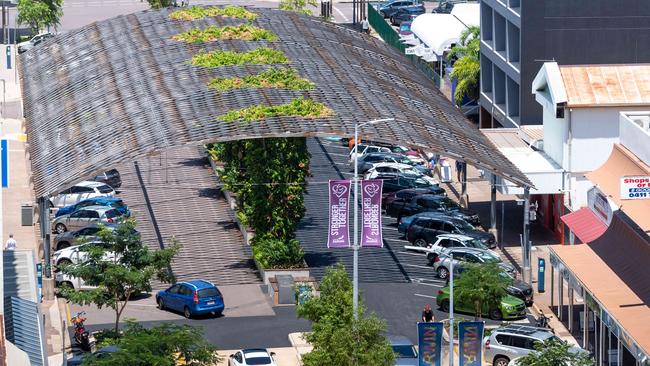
585 324
570 308
493 204
44 218
560 295
552 286
526 238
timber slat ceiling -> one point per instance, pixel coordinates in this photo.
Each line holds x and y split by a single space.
120 89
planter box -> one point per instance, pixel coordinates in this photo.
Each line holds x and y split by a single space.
267 274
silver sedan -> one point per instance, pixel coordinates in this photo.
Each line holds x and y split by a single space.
86 217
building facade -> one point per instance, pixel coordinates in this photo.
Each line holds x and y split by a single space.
518 36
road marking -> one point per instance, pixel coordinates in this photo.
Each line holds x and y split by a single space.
416 254
341 14
338 154
429 296
417 266
389 227
67 310
398 240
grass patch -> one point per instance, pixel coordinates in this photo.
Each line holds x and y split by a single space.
258 56
199 12
272 78
299 107
245 32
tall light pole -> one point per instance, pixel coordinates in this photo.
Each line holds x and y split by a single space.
355 247
451 310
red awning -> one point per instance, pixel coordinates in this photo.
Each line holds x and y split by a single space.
585 224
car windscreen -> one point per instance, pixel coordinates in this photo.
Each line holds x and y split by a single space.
118 203
447 203
405 351
464 225
474 243
104 189
265 360
209 292
488 257
112 213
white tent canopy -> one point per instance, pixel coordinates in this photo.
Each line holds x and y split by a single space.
439 31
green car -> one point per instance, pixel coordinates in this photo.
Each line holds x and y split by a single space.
510 307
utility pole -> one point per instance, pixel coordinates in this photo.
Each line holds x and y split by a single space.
451 310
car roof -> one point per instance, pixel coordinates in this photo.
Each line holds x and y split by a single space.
455 236
391 164
526 330
90 183
97 208
434 215
255 350
398 340
199 284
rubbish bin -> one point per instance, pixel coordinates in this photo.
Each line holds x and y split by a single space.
27 214
286 293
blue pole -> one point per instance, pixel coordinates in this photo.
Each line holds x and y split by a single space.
541 265
4 160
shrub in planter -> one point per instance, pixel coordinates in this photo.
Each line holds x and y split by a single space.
199 12
284 78
273 253
258 56
213 33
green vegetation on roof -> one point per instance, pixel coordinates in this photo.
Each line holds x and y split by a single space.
258 56
272 78
199 12
299 107
245 32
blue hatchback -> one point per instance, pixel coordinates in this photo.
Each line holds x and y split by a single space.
115 203
192 298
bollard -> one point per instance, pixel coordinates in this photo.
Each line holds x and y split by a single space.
541 265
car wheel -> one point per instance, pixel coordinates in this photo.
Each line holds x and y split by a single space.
431 257
444 305
62 245
60 228
65 285
161 303
420 242
443 273
64 262
495 314
501 361
187 313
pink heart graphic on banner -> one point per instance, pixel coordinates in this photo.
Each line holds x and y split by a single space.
339 190
371 189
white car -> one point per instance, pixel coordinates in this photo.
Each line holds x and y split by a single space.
252 356
76 254
81 191
444 241
366 149
391 167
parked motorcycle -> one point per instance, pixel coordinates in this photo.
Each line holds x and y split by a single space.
81 336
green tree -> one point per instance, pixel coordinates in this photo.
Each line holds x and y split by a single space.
337 338
467 66
481 285
39 14
121 266
299 6
555 352
159 4
162 345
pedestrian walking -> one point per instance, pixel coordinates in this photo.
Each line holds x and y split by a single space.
427 314
459 170
365 26
11 243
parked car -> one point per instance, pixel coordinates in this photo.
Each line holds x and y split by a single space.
517 288
445 7
426 228
405 352
367 161
77 254
77 360
442 262
509 307
362 149
111 177
396 168
513 341
192 298
85 217
113 202
36 40
389 8
407 194
406 14
441 242
424 203
397 182
87 234
82 191
252 356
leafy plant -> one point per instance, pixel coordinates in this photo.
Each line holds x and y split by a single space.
481 285
159 4
164 345
212 33
468 66
272 78
199 12
39 14
299 107
277 253
555 352
337 338
299 6
258 56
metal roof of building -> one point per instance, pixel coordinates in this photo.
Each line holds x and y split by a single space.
119 89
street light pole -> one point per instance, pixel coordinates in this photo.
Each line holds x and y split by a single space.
355 247
451 310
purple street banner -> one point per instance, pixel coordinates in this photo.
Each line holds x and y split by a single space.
470 341
338 235
371 213
430 344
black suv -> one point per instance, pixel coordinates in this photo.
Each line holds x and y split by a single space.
367 161
429 227
426 203
398 182
445 7
407 194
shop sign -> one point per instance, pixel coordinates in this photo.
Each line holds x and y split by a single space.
599 204
635 188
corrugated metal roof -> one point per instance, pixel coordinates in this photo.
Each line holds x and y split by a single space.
23 328
120 89
606 85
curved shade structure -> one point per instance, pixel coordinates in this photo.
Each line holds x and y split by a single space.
122 88
440 31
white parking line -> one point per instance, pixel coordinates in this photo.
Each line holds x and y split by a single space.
429 296
388 227
341 14
338 154
411 253
398 240
439 285
417 266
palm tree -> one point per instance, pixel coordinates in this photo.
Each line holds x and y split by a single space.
467 67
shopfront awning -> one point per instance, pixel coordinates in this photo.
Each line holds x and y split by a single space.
585 224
